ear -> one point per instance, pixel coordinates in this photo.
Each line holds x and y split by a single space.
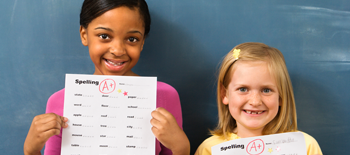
224 97
143 42
83 36
280 101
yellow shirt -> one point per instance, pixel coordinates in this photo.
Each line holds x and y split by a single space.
312 146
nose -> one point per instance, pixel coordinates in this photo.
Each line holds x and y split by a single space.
255 98
117 48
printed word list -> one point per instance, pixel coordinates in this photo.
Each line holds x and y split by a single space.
108 115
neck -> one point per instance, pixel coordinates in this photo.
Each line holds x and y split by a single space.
129 73
245 133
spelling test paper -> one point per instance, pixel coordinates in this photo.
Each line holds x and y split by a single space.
292 143
108 115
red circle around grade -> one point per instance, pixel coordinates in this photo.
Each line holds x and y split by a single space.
107 83
256 153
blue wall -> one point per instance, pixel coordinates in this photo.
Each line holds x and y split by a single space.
39 43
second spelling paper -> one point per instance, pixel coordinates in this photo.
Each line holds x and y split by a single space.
108 115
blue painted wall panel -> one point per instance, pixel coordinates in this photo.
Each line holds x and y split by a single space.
39 43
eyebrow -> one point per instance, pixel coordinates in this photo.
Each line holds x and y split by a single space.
245 85
108 29
135 31
104 28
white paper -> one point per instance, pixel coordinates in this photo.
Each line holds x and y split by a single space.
108 115
292 143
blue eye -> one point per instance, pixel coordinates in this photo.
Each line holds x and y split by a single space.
266 90
104 36
243 89
132 39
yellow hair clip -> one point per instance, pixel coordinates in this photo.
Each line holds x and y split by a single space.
236 53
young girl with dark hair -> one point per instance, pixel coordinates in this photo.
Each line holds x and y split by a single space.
114 32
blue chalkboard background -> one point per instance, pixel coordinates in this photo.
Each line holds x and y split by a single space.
39 43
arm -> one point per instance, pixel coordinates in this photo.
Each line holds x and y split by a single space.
54 107
168 98
312 146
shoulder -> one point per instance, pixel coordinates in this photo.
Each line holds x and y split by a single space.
213 140
205 147
55 103
309 139
165 88
312 146
166 95
168 98
57 95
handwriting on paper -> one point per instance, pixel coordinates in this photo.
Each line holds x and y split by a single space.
292 143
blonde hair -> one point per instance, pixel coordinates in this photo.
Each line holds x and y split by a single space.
286 119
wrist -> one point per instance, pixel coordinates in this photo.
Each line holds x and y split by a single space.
31 153
182 152
183 149
26 152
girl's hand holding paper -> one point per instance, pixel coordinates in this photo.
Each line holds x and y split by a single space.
168 132
43 127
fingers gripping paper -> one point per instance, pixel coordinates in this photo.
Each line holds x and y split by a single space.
108 115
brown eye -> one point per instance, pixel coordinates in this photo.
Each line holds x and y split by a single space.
104 36
132 39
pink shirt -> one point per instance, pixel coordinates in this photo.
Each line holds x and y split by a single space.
167 97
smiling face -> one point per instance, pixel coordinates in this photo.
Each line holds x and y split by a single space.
115 40
252 97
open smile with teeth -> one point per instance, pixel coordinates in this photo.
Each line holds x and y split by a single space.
253 112
114 64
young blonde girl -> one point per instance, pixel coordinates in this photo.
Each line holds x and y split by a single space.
255 97
115 32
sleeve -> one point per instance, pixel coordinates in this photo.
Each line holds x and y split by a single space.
203 150
168 98
205 147
312 146
55 105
